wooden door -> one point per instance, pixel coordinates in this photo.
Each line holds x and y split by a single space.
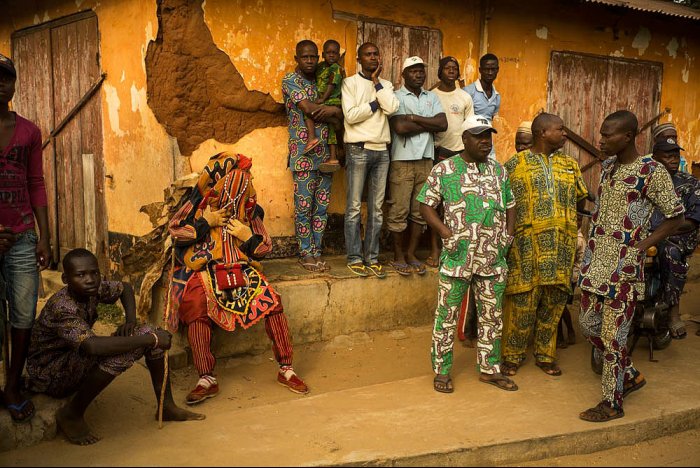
57 63
584 89
396 43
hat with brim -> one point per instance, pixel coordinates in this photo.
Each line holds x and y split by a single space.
7 65
477 124
412 61
668 144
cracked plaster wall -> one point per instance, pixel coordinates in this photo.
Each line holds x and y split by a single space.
258 37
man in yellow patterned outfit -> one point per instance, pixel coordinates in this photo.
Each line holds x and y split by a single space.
547 186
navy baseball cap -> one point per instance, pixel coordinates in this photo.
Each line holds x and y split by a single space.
7 65
669 144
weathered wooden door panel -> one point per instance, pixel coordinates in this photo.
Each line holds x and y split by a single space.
584 89
396 43
71 67
34 100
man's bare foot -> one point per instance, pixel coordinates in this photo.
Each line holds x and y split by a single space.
75 428
175 413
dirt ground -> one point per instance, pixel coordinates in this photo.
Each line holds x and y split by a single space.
682 449
348 361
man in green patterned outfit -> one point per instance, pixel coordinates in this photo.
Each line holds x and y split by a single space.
476 234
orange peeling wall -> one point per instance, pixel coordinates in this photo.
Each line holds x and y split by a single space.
259 37
137 151
524 37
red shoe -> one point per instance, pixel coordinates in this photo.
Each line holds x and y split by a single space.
292 381
207 387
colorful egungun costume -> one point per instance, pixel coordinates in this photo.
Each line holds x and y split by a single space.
216 276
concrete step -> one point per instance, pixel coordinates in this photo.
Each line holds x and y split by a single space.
372 403
322 306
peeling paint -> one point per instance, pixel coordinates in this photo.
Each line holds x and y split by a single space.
618 53
672 47
121 80
113 104
542 32
641 40
150 36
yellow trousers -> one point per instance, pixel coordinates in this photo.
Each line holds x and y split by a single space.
537 310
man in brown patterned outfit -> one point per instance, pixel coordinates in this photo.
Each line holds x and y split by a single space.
66 356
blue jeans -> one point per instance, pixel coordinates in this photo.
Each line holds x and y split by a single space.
20 276
373 166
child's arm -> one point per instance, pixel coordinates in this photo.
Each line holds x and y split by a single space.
329 90
128 301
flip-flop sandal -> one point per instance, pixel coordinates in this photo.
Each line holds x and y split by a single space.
601 413
359 269
549 368
401 268
16 411
500 381
310 147
310 265
442 384
377 270
418 267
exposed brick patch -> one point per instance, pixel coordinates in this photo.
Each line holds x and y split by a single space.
195 91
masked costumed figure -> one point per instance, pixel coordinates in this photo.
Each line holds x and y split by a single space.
218 237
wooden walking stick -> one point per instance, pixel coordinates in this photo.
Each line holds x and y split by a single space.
167 313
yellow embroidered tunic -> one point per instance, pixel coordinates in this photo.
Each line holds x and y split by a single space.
546 191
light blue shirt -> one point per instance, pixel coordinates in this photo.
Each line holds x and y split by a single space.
483 105
419 146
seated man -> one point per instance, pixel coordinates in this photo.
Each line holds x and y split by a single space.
66 357
675 250
219 236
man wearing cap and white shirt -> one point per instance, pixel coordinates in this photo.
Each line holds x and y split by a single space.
412 150
477 232
675 250
367 102
487 100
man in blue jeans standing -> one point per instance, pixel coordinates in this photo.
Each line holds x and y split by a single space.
22 252
367 103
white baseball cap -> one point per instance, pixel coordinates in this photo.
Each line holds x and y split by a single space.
476 124
410 61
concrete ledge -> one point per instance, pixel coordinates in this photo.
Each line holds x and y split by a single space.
41 427
601 437
320 307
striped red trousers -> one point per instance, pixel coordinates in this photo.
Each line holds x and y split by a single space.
193 312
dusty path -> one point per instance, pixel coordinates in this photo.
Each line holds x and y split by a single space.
681 449
358 366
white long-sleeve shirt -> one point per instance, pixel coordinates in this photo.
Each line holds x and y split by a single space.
364 122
